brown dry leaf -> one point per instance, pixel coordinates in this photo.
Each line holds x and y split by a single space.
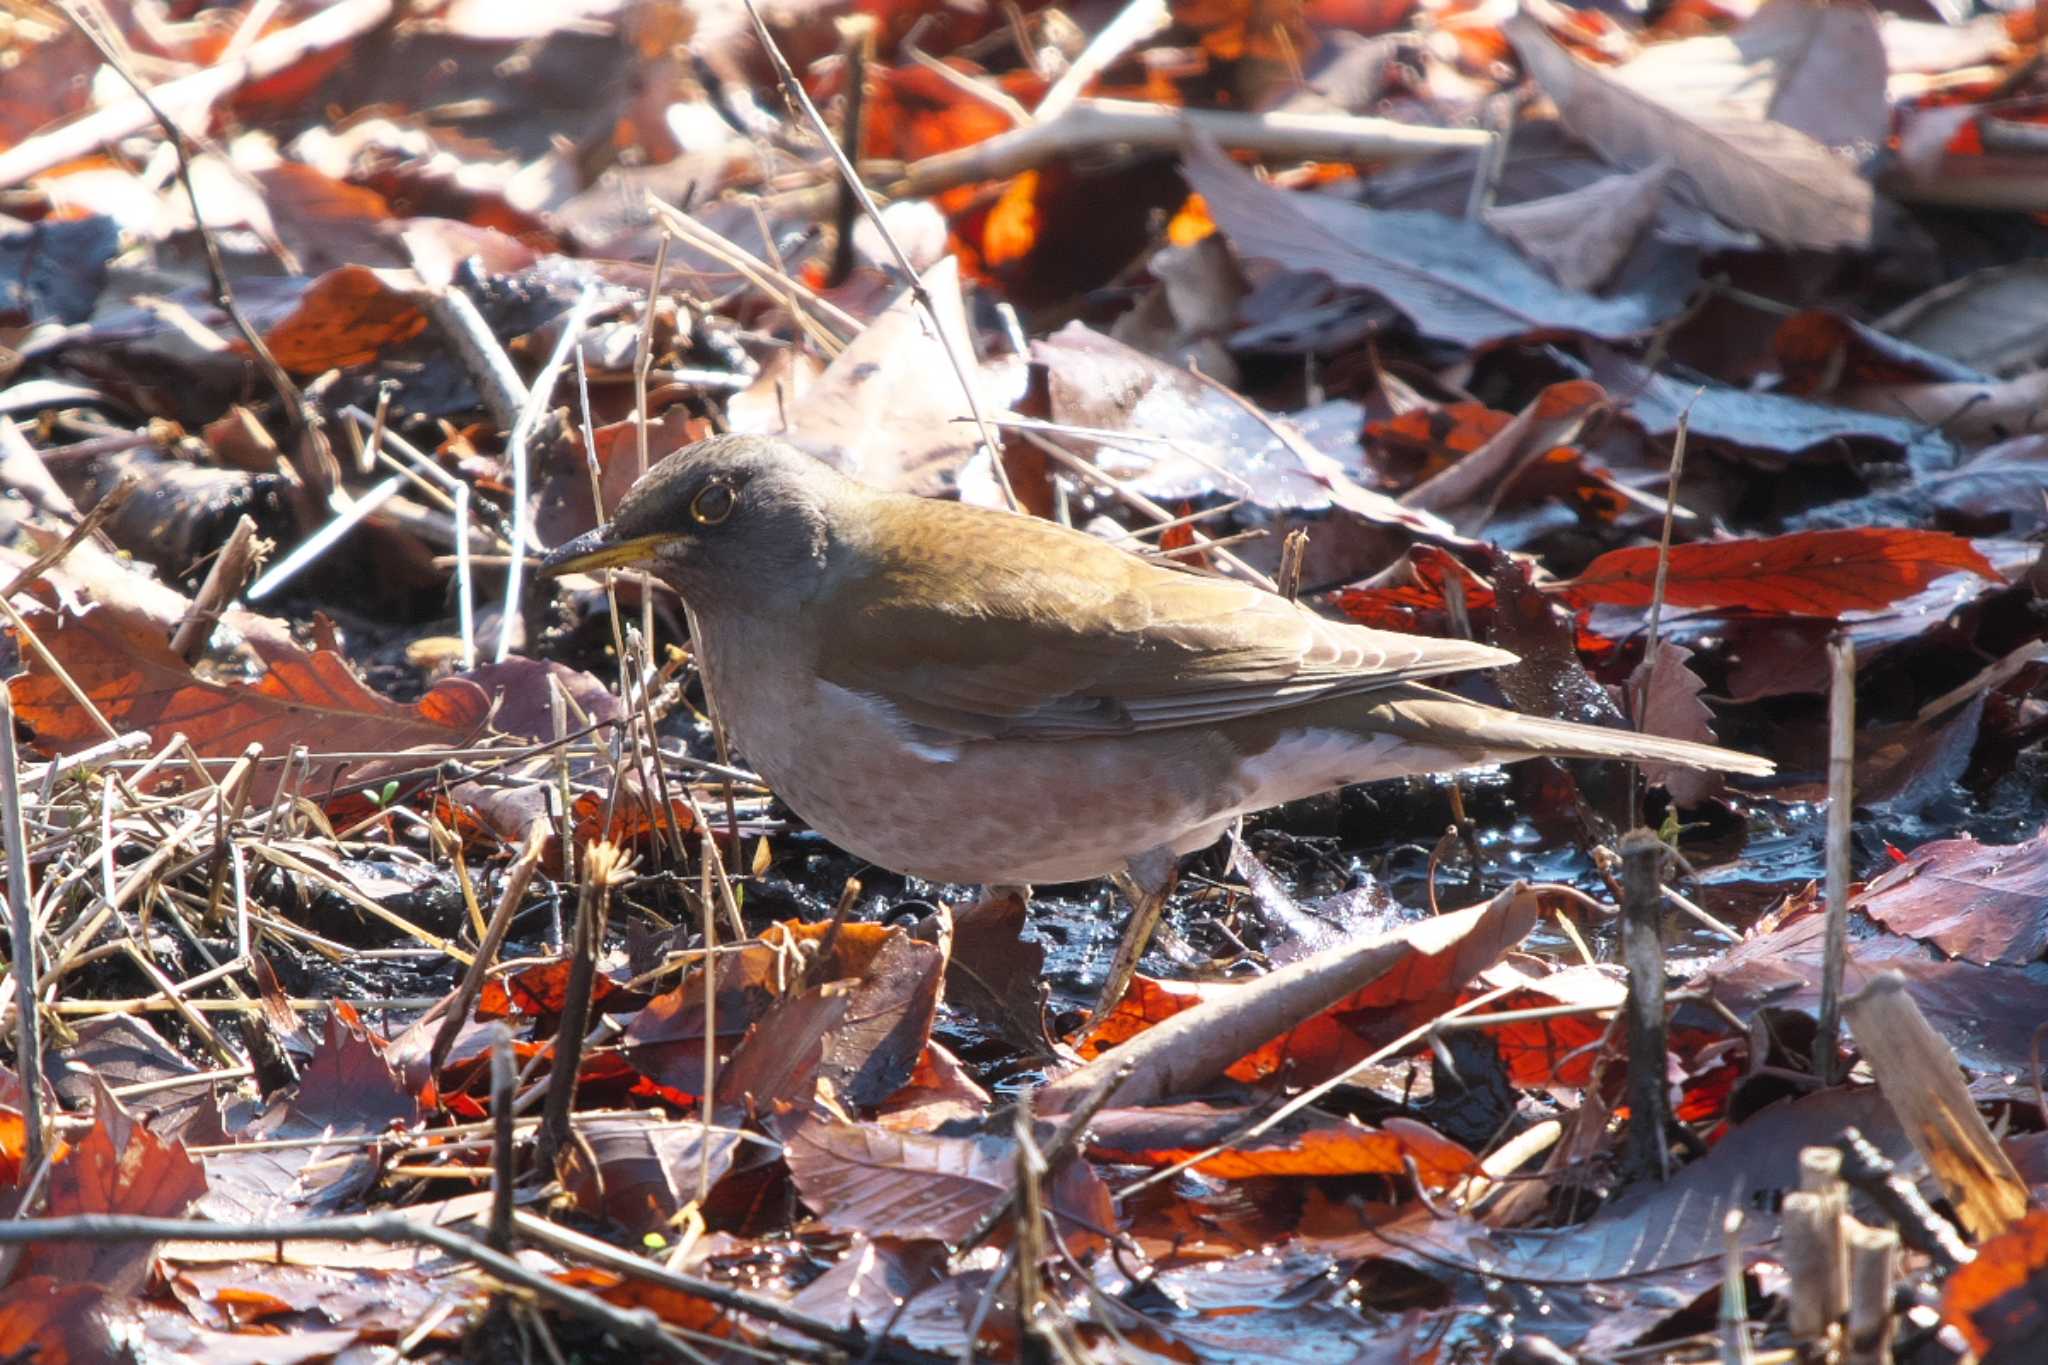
1454 280
1978 902
117 1168
47 1320
1312 1018
1756 173
639 1172
1817 68
886 409
1993 320
1669 704
1468 491
861 1178
994 973
120 660
1585 235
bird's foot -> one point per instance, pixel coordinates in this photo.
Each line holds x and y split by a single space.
1146 882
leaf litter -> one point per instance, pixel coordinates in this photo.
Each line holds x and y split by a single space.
1439 289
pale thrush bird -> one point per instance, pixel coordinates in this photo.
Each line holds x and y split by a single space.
967 695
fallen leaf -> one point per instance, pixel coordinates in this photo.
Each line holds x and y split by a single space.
860 1178
1585 235
1454 280
1978 902
118 1168
1303 1146
120 660
1805 573
1750 170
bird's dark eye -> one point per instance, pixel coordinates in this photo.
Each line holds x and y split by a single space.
713 503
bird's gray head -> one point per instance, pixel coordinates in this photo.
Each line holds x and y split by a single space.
724 521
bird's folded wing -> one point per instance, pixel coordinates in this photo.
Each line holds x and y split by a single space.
1066 637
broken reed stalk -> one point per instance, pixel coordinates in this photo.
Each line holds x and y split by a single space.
1293 553
706 864
1923 1083
1873 1273
602 870
1641 698
1827 1043
1030 1241
1813 1249
224 580
1642 951
28 1050
1734 1315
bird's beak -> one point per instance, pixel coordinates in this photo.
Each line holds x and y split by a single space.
596 550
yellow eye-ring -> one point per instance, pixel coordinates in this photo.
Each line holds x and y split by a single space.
713 504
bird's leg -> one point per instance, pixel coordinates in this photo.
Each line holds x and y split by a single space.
1145 881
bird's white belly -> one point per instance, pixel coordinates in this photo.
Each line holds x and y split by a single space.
1029 811
979 810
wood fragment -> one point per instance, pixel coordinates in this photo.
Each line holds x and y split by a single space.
1923 1082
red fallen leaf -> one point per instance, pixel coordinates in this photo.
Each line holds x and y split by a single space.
1320 1146
860 1178
538 992
672 1306
1416 599
2000 1299
46 1320
1428 439
120 1168
346 317
1806 573
120 659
